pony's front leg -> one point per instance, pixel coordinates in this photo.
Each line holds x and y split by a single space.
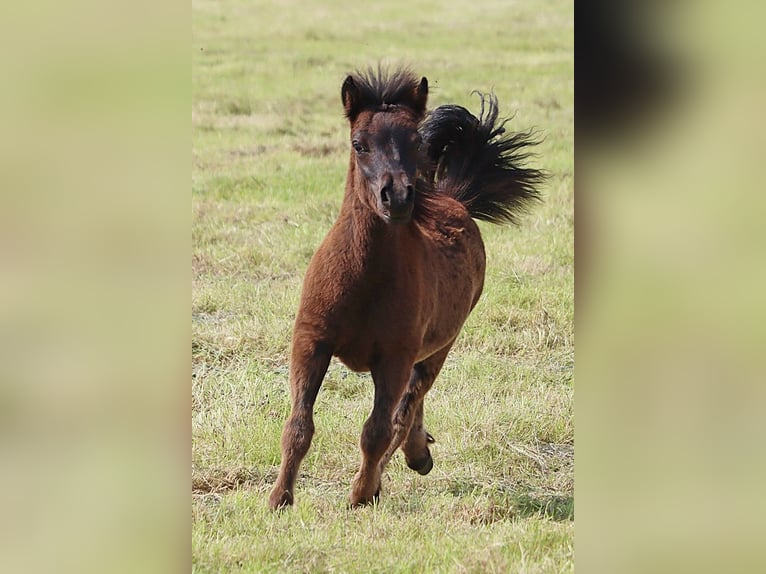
307 370
415 445
390 380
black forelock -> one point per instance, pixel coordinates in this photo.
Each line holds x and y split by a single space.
383 88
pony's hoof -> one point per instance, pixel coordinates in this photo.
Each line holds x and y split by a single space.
280 499
374 499
422 466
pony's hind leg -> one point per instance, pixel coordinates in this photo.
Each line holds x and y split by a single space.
307 370
390 380
408 416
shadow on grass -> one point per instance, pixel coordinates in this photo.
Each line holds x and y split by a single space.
514 507
507 503
558 508
220 480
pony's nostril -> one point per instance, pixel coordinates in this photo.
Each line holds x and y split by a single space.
409 193
384 196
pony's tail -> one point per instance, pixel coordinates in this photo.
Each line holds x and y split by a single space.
473 160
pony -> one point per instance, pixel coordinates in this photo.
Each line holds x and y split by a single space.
402 267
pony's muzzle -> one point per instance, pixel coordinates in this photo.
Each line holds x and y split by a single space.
397 200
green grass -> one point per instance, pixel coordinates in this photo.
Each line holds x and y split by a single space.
269 156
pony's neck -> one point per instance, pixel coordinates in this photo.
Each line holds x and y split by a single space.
371 237
366 222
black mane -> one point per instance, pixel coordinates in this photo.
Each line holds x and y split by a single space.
477 162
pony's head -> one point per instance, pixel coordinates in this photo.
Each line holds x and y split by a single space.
384 111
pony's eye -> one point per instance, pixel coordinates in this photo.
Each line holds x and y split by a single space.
358 146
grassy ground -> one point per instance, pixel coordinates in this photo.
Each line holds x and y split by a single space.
269 154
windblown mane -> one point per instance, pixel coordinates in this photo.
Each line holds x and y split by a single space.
477 162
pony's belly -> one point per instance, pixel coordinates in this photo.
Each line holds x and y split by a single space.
358 352
445 324
355 365
431 346
436 340
356 359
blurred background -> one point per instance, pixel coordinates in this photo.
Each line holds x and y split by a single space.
94 295
669 282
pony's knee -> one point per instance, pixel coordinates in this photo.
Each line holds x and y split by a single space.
376 435
298 433
401 420
403 415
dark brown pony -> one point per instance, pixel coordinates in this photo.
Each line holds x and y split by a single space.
402 267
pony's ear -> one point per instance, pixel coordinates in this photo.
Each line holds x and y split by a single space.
421 96
349 95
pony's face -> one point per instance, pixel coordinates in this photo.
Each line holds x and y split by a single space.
384 112
385 146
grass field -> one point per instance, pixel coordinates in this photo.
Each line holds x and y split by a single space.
269 157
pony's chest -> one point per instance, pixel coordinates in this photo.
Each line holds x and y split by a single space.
376 325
